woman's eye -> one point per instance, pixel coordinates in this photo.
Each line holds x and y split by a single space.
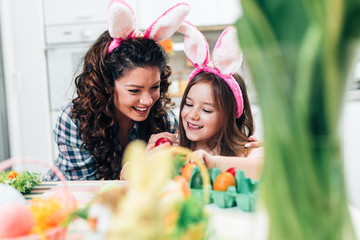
134 90
156 87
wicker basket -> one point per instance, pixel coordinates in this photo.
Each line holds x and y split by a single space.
55 233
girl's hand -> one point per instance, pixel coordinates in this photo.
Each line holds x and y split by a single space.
253 143
173 137
207 159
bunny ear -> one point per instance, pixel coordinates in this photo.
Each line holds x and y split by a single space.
168 23
227 56
196 47
121 19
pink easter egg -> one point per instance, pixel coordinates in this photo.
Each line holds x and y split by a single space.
16 220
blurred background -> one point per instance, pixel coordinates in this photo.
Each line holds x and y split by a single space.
43 41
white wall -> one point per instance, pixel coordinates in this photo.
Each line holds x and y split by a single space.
25 79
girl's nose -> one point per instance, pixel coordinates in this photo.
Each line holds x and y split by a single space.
194 115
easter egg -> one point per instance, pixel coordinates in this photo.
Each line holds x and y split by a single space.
10 194
187 171
196 181
232 171
16 220
162 140
223 181
68 204
66 199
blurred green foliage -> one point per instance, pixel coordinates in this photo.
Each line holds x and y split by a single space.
299 54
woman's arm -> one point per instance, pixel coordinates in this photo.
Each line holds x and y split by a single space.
75 163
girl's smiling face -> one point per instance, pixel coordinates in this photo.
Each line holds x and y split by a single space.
201 119
135 93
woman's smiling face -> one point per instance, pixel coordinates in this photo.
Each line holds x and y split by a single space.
136 92
201 120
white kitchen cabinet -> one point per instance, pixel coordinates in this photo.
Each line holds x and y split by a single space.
202 12
27 97
351 146
229 11
149 11
65 34
61 79
70 12
58 12
214 12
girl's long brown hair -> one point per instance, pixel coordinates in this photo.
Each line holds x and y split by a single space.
234 133
94 105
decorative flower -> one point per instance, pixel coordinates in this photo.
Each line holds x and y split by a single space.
12 175
22 181
167 45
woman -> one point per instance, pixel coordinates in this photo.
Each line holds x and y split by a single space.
121 96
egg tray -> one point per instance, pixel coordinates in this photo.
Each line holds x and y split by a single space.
243 196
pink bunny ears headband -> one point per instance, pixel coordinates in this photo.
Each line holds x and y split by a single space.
226 57
121 23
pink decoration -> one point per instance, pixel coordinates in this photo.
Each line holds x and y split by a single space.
16 220
121 23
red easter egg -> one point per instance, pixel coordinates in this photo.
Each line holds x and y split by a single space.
162 140
232 171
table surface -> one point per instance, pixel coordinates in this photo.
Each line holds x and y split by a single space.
229 223
83 191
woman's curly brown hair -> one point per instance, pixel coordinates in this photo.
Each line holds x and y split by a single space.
94 105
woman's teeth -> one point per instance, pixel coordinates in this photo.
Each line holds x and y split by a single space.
140 109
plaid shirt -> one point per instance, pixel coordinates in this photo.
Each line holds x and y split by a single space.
76 163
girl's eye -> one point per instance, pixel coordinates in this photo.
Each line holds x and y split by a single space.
188 104
207 111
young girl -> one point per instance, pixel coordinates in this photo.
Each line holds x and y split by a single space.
215 115
121 96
